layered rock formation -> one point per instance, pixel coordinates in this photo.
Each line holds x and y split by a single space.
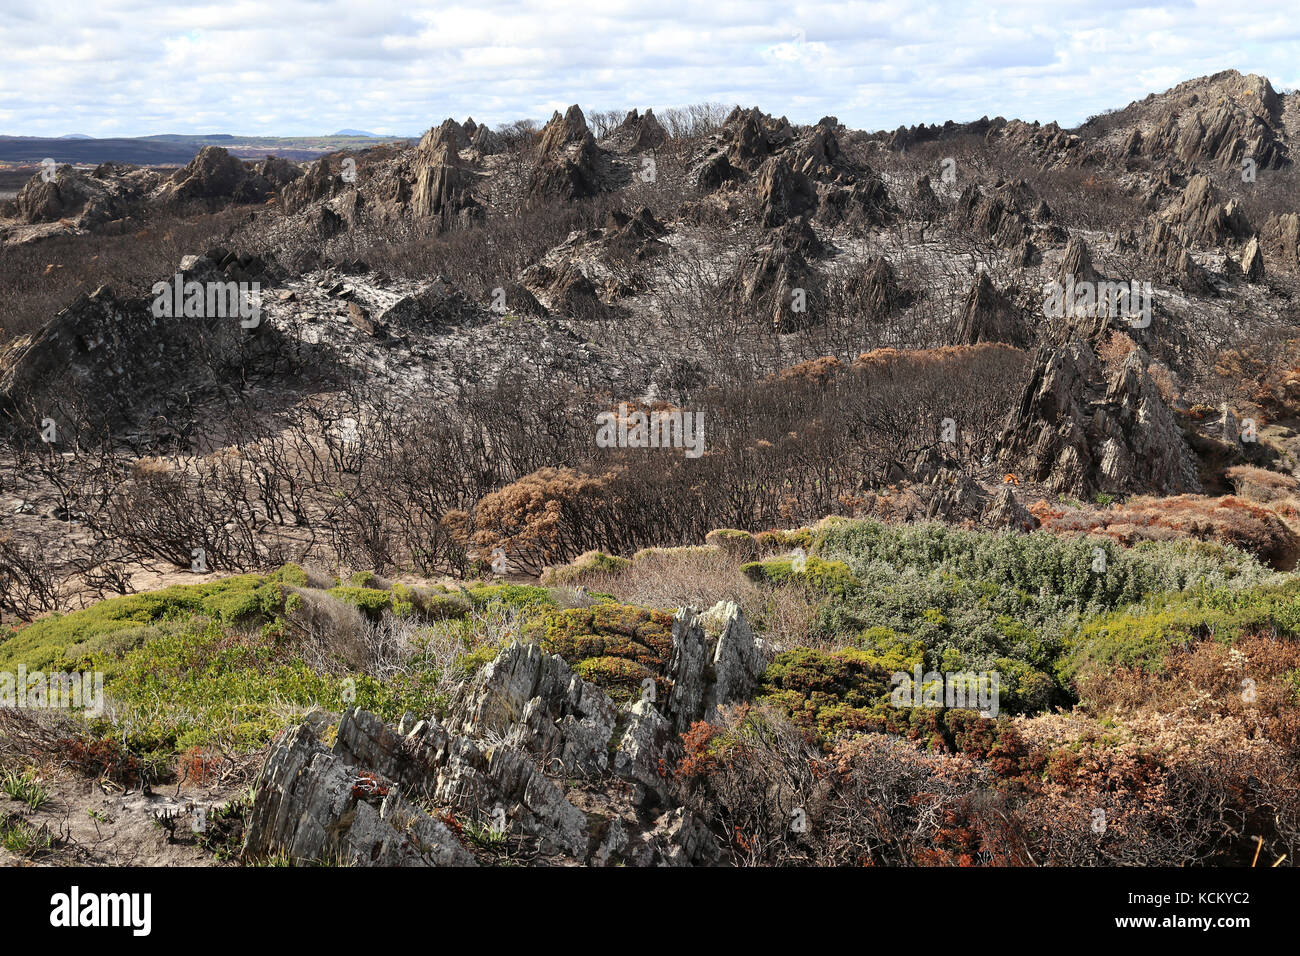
108 359
525 744
990 316
1078 434
570 165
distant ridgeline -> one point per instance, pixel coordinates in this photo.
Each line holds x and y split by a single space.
172 149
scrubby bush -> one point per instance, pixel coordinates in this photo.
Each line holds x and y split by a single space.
615 646
584 566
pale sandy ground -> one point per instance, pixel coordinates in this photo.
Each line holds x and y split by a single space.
122 830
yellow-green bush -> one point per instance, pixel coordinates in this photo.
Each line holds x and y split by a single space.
591 639
828 577
591 562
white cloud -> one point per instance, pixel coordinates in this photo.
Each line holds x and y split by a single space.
299 67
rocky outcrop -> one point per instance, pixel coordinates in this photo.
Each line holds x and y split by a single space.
1281 237
637 133
748 137
767 283
1200 217
315 184
450 134
636 235
112 192
1078 435
1049 145
521 742
316 807
906 137
794 171
436 306
444 187
989 316
923 196
560 132
108 360
1006 511
1076 264
784 192
991 218
1252 260
955 497
565 171
486 142
278 172
875 290
63 196
1169 258
1218 120
716 172
711 667
566 288
865 199
215 174
533 701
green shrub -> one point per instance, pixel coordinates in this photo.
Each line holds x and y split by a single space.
827 577
202 686
245 600
525 597
592 562
769 541
740 544
370 601
1143 635
444 607
592 639
619 677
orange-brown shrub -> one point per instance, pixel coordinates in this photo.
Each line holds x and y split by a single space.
197 767
1227 520
1260 484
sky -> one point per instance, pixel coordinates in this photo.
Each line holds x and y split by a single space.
310 67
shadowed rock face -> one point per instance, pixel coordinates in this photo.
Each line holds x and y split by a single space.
1282 240
1079 435
991 217
515 733
990 317
215 174
569 172
784 192
317 183
442 185
1201 217
1220 122
1170 258
637 133
131 361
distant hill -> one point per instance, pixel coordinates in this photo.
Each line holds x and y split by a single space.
75 136
33 149
358 132
174 149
